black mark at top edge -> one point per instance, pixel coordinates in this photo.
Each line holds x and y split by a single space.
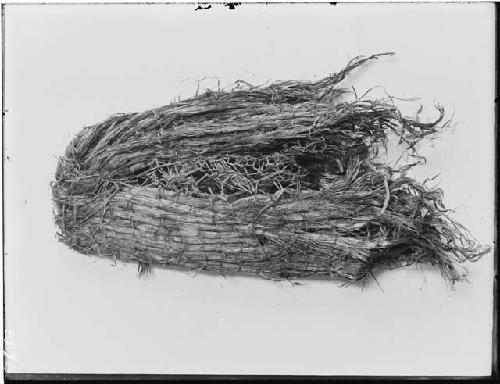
208 6
232 5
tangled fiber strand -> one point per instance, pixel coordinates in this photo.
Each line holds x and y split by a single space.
279 181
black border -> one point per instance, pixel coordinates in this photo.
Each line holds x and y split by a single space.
3 189
8 377
254 378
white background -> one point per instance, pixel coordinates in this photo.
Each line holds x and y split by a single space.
70 66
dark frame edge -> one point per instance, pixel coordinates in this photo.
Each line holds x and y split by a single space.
2 21
495 344
210 377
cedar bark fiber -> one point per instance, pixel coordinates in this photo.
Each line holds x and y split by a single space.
278 181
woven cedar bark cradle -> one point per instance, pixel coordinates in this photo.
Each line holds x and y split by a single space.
278 181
